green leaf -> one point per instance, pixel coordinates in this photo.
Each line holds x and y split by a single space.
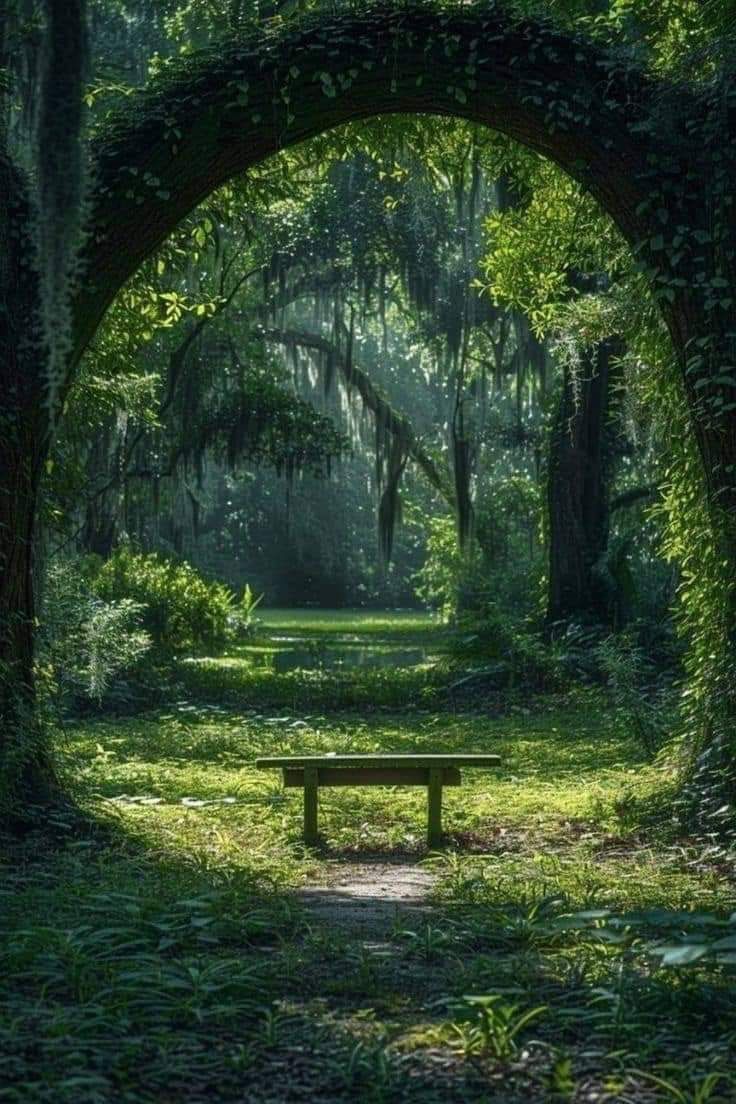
682 954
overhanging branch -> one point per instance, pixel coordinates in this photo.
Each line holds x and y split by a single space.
354 377
634 495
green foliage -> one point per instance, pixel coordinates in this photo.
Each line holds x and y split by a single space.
248 624
445 570
696 538
251 415
531 246
490 1026
501 562
87 641
631 682
177 928
504 653
180 610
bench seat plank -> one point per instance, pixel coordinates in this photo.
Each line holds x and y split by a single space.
371 776
426 761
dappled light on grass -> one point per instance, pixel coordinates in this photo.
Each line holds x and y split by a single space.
555 764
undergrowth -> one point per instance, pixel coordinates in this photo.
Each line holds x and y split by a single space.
565 953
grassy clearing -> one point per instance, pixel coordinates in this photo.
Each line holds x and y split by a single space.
166 958
396 625
236 681
245 675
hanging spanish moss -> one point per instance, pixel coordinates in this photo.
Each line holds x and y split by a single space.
60 175
462 468
387 423
393 463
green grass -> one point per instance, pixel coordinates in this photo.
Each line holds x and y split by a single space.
244 676
166 957
396 625
234 679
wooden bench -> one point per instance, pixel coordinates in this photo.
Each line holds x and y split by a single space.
433 771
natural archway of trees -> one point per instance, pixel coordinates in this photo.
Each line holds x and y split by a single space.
658 158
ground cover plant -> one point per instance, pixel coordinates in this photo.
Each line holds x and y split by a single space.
560 954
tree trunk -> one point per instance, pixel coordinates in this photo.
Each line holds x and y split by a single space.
708 353
26 774
578 491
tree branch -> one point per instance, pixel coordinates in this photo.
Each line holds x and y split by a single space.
633 495
396 424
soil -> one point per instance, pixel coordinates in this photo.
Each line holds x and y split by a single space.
368 897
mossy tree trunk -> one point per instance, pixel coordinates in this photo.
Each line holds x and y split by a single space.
40 214
26 775
708 354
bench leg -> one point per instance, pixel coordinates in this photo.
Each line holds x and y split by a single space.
434 808
310 805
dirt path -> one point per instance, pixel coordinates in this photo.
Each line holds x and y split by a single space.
367 897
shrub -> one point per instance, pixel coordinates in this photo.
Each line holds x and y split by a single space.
181 611
497 652
503 562
449 579
86 642
247 626
631 678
